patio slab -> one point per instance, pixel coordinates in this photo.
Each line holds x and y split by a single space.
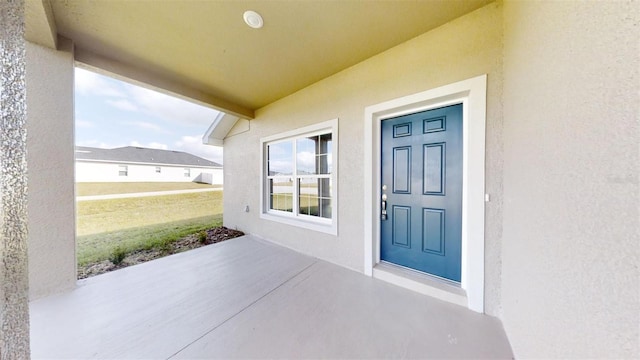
247 298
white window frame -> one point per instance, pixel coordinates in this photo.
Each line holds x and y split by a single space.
329 226
187 172
123 168
158 170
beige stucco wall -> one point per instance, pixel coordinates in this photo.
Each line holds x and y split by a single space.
562 230
464 48
571 241
50 158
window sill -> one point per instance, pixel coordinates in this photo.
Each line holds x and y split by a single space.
326 228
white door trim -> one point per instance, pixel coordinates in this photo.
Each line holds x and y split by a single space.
472 93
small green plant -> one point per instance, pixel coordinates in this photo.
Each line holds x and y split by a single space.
202 237
166 247
118 255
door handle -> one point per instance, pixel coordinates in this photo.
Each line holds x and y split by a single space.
383 206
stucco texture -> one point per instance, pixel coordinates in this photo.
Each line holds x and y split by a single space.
570 255
50 156
450 53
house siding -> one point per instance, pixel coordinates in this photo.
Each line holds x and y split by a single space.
89 171
451 53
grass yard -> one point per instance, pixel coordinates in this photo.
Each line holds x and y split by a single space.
142 223
86 189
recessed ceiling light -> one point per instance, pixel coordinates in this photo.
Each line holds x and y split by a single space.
253 19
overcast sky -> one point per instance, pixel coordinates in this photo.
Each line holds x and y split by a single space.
111 113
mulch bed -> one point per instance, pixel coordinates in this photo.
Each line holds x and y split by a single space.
193 241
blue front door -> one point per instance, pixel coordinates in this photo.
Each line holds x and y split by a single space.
422 191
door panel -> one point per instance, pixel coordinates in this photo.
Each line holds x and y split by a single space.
402 170
433 231
401 226
434 169
422 171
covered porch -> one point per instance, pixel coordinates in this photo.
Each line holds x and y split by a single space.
249 298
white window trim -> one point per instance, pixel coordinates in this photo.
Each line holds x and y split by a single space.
329 226
472 94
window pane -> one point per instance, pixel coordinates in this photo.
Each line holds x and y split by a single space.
313 155
324 154
308 197
314 198
324 164
306 155
281 194
325 143
280 158
325 197
325 208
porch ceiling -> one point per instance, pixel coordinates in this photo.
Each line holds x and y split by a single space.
205 46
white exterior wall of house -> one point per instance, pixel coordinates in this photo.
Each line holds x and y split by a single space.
450 53
571 237
50 156
561 229
562 165
92 171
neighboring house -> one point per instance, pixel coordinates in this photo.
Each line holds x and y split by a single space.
138 164
527 119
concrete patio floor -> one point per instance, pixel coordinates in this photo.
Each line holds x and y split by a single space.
247 298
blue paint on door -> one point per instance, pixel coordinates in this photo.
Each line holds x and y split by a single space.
422 171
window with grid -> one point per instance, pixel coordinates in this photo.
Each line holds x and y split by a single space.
123 170
299 177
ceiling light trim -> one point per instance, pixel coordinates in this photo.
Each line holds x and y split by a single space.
253 19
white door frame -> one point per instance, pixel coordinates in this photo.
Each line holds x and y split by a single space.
472 93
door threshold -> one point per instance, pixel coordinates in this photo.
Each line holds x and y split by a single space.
422 283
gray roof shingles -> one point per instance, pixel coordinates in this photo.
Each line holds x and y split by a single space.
134 154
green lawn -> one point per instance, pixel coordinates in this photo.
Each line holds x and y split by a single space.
84 189
142 223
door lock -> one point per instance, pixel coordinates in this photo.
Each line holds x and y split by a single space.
383 205
383 212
